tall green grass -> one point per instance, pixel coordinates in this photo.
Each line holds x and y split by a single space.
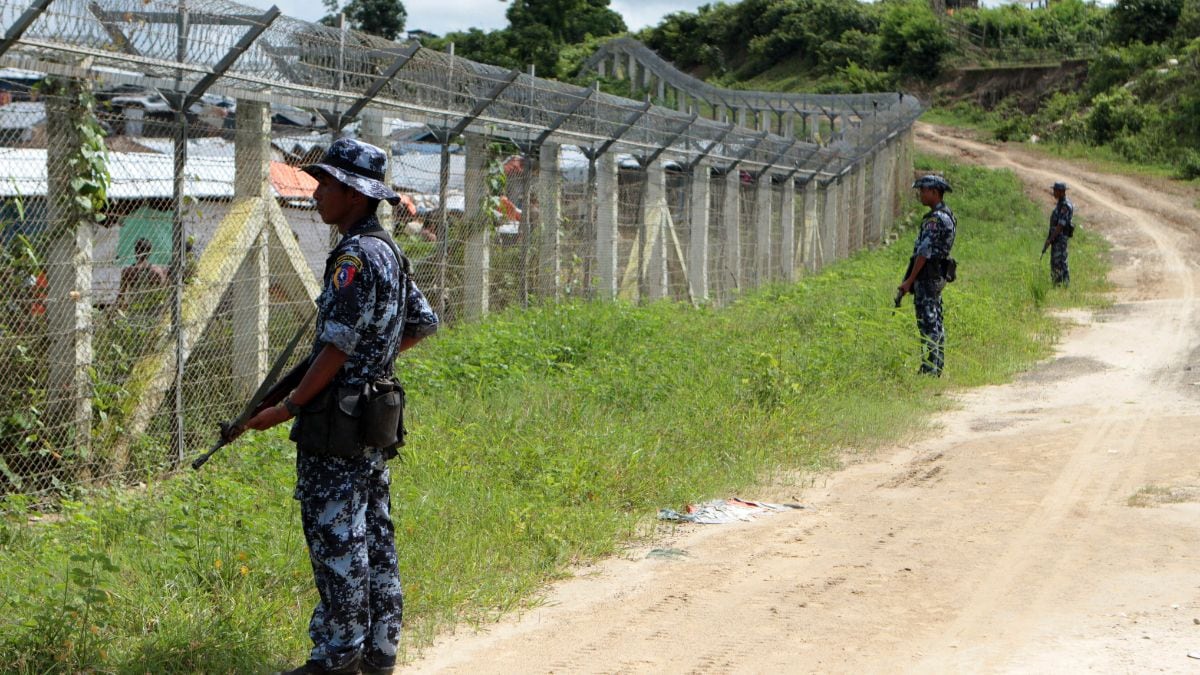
540 439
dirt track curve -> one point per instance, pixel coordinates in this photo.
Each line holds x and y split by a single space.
1007 540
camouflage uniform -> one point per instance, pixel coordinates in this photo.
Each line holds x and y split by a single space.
934 242
345 503
1060 274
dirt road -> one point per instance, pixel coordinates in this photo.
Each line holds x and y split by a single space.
1048 525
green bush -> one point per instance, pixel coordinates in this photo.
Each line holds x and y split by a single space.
1113 114
855 79
912 39
1011 123
1189 164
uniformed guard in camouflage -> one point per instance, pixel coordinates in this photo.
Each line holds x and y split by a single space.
344 503
933 244
368 310
1061 231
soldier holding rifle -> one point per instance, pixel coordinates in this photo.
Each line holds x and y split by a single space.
930 269
1061 231
348 424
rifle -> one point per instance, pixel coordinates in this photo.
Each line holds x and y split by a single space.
1053 237
900 293
270 392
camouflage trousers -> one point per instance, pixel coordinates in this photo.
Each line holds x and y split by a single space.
1060 274
351 543
927 300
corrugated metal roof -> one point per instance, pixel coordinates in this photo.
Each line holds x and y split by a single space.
292 183
134 175
22 114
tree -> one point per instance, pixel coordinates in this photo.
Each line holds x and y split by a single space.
538 29
1146 21
384 18
912 40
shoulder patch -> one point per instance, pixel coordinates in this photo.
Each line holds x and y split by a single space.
345 268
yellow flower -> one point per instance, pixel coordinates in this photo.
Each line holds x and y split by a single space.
244 570
242 556
94 629
217 563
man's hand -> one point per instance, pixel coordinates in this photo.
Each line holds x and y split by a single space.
905 288
268 418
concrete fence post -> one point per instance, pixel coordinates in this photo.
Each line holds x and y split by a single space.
549 186
698 217
731 277
374 131
249 291
855 209
812 225
68 285
477 225
787 227
606 227
829 223
653 227
763 216
843 217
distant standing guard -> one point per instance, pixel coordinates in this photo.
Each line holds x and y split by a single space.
1061 231
930 269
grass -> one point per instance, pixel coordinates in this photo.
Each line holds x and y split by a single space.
1157 495
540 439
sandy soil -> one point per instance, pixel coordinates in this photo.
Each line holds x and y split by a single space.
1048 525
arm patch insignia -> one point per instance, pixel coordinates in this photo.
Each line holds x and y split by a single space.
344 270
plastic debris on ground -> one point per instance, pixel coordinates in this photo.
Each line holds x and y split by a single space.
668 553
721 511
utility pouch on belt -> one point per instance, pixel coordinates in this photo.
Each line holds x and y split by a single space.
949 269
343 421
939 268
382 422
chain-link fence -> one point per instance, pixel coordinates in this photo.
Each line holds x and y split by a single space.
134 323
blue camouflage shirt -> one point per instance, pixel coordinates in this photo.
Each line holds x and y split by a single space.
1061 215
936 237
359 309
358 312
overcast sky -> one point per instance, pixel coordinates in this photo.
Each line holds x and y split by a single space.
443 16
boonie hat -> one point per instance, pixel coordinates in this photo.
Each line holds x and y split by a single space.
357 164
932 181
1059 186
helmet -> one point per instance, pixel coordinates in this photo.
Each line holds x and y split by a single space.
932 181
1059 186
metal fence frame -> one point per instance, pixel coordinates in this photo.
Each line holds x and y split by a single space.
663 203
